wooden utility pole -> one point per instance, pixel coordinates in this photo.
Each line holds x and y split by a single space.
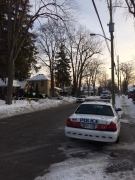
118 75
111 30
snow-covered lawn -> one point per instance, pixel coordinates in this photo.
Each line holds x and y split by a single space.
23 106
90 168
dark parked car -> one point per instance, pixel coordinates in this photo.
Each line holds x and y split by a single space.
130 95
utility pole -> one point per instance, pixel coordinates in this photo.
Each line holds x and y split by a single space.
111 30
120 83
118 75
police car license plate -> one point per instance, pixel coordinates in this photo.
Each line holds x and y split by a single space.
89 126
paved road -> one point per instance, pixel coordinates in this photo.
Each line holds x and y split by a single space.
30 143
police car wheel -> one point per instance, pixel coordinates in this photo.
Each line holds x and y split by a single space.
118 140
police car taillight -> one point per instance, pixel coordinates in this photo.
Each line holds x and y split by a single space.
73 123
69 122
111 127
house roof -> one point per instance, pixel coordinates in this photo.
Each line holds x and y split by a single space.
16 83
39 77
22 83
4 83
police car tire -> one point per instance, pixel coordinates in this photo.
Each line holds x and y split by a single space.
118 140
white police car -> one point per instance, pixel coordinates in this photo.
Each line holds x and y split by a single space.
97 121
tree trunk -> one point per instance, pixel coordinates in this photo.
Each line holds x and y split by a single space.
52 84
10 57
80 83
75 87
89 86
10 80
94 91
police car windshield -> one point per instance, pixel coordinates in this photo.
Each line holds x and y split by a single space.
95 109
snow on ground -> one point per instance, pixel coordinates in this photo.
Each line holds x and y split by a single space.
93 166
88 169
23 106
128 109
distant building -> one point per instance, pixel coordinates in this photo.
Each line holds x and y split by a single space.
91 92
42 82
18 87
24 87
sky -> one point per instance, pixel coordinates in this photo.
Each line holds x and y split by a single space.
93 166
124 29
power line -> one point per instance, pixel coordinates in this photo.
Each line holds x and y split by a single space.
101 24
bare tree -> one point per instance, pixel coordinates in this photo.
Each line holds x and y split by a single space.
81 49
17 12
92 73
50 37
128 73
127 5
96 66
87 76
102 78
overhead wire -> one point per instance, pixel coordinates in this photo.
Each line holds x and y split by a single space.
101 25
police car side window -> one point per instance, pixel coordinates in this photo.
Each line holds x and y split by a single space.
108 111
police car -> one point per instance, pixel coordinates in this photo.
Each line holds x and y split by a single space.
97 121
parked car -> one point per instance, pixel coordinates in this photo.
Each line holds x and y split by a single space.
130 95
96 121
81 99
105 95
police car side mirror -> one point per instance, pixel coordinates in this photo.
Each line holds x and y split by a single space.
118 109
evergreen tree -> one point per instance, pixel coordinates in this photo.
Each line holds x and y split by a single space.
3 39
26 59
62 69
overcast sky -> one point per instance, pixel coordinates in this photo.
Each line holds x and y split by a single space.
124 35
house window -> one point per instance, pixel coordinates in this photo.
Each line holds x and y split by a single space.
42 83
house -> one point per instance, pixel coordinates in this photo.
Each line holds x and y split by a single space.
91 92
42 82
19 88
24 87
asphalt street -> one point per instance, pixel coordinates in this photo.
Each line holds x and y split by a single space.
30 143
